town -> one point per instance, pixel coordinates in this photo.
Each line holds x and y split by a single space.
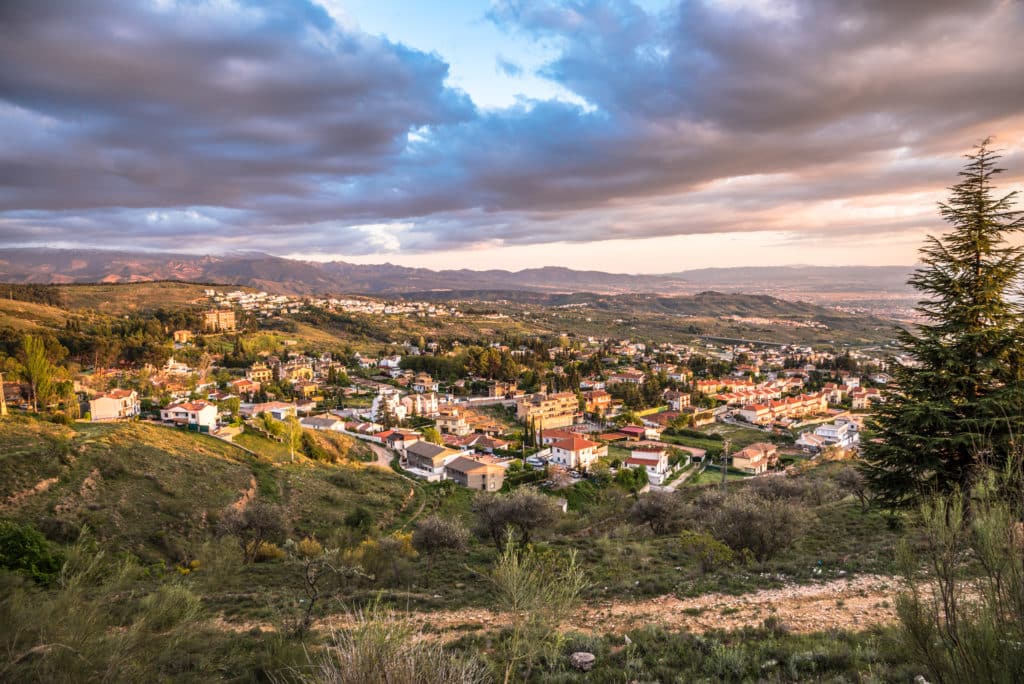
549 411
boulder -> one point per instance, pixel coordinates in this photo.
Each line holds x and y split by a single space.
582 660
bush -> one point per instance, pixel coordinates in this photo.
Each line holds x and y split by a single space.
359 519
660 510
265 551
435 533
168 606
764 527
965 623
25 551
710 553
308 548
252 525
524 511
382 649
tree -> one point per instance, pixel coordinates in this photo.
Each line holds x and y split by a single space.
950 413
434 533
658 509
252 526
430 434
38 370
524 512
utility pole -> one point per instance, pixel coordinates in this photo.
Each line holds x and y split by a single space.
3 398
725 461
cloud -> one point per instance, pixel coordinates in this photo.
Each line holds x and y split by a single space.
507 67
280 126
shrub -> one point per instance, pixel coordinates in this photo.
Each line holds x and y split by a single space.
763 527
168 606
359 519
25 551
385 559
252 525
710 553
308 548
524 511
264 551
660 510
968 625
435 533
382 649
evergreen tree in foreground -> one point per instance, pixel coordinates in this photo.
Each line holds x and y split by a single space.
958 406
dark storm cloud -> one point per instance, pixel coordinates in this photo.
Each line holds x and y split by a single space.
268 124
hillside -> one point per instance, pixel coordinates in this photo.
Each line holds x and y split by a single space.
157 491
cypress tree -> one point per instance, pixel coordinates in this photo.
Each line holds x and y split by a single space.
957 408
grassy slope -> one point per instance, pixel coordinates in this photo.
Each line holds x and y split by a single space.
157 491
132 298
28 316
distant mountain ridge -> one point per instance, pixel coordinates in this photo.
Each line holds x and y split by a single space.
292 276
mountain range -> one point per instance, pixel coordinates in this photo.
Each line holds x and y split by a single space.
292 276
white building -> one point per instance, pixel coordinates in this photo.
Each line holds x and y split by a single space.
653 460
576 452
117 404
388 400
197 415
838 434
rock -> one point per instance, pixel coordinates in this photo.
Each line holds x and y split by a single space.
628 640
919 679
582 660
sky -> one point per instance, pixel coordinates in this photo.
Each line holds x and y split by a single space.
619 135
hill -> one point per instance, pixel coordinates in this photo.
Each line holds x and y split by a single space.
157 492
290 276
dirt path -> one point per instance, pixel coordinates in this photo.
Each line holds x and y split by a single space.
383 456
853 604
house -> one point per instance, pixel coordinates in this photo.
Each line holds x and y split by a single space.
752 461
182 336
752 457
400 439
427 460
629 376
576 452
452 421
421 404
325 422
245 387
117 404
199 416
677 401
549 437
474 474
633 432
423 383
808 441
279 410
259 373
838 434
497 389
387 402
597 402
652 459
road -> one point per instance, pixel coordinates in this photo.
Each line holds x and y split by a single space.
383 454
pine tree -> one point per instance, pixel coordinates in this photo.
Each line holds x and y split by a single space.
959 396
